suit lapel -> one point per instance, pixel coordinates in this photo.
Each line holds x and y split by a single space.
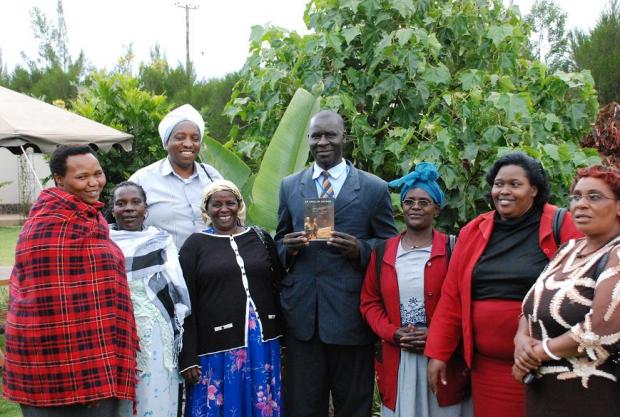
349 189
307 186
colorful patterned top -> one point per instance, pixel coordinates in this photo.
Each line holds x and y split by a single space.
569 297
70 335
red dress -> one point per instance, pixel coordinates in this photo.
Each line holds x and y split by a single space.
495 392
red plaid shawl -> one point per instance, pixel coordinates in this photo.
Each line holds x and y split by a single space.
70 335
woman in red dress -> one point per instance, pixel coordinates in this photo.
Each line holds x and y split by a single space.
497 258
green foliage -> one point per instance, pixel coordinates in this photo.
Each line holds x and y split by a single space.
550 39
117 100
287 153
447 82
54 74
5 78
209 96
599 52
226 162
157 76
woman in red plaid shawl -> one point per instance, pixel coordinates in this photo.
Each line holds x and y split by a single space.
70 336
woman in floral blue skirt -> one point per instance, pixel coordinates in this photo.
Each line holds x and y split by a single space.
231 350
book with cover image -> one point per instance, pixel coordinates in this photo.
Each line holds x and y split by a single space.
319 218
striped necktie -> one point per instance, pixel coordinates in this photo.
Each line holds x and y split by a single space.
327 191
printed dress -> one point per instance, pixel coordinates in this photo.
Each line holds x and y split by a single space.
567 297
160 304
238 379
249 379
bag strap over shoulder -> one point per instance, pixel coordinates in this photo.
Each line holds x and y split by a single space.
600 266
558 221
379 252
205 170
267 243
450 242
602 262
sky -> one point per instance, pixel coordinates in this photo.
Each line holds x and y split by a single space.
219 29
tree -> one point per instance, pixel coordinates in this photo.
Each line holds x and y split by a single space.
159 77
448 82
117 100
124 63
210 96
4 75
599 52
605 134
53 74
550 41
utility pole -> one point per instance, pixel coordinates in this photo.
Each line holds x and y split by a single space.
187 5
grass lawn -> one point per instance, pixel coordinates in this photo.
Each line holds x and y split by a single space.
7 408
8 238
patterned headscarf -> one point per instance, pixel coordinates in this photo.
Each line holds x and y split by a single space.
217 186
425 177
184 113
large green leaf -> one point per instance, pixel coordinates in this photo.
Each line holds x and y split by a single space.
498 33
287 153
225 161
471 79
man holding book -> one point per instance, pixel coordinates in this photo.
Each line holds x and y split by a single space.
330 347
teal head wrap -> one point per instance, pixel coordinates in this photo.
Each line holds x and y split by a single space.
425 177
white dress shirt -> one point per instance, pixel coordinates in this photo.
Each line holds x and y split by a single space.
174 202
337 177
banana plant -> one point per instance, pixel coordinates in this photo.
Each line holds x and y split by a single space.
225 161
287 153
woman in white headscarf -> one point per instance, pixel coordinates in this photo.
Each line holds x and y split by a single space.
174 184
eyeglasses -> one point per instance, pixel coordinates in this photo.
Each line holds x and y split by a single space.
590 198
410 202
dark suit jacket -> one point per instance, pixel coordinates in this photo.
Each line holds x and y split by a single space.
319 274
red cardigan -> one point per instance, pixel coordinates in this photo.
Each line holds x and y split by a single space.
381 309
452 321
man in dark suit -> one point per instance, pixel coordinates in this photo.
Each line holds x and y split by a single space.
329 347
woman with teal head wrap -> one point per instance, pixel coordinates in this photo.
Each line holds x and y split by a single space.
424 176
400 304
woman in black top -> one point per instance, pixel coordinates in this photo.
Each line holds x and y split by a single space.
231 351
497 258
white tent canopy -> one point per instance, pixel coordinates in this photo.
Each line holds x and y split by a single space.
27 121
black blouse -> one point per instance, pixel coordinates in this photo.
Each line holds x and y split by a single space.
512 260
220 285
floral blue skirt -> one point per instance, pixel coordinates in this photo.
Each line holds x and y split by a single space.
243 382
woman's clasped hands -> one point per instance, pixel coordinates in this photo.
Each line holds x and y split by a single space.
411 338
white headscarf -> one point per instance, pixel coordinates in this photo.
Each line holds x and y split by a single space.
178 115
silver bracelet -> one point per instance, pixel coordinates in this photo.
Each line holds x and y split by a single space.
545 346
